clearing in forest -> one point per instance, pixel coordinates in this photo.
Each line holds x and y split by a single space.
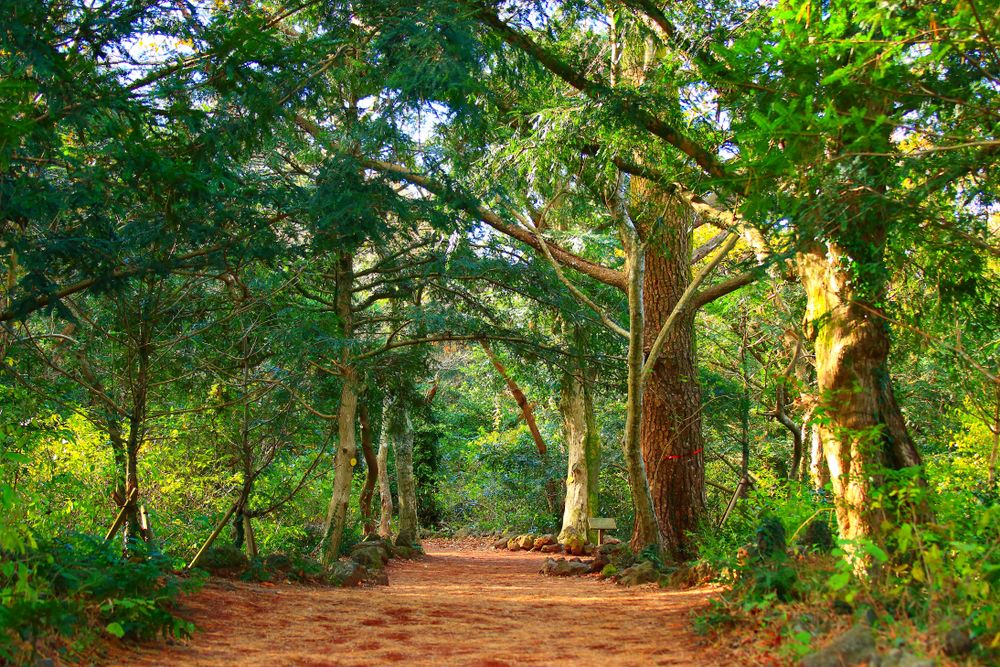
461 605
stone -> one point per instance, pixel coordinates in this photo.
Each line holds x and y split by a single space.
599 563
857 645
900 658
564 568
544 540
278 562
224 559
551 549
610 547
383 548
461 533
377 578
525 542
957 643
407 553
347 574
512 544
608 571
611 540
370 557
641 573
501 543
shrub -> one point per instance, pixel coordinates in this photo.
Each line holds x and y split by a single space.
79 586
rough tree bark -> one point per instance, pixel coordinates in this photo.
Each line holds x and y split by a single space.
862 430
672 442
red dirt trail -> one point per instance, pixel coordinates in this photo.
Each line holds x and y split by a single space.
463 604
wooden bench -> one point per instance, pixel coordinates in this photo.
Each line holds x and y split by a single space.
601 524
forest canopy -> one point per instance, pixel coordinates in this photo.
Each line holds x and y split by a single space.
283 278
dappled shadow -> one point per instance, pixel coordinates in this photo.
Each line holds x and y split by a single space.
462 605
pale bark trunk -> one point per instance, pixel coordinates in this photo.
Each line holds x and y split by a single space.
862 429
819 471
401 434
645 532
251 539
345 459
592 448
343 468
371 472
385 492
576 509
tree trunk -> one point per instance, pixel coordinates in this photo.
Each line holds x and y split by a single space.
343 470
137 424
371 472
645 532
819 471
522 401
344 461
672 443
862 431
385 493
995 429
401 434
576 509
251 539
592 448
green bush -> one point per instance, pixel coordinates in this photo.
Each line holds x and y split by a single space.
79 586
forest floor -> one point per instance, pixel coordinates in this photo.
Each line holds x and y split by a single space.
463 604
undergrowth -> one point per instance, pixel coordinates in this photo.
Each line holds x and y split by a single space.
929 588
59 595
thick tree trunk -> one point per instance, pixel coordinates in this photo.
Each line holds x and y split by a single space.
345 459
401 434
343 469
371 472
576 509
385 492
672 443
861 429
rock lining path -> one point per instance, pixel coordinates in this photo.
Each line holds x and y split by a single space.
464 604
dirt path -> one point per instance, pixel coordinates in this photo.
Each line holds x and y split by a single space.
462 605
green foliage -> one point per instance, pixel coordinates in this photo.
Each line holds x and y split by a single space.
78 586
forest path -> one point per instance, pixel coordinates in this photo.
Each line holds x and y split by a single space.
464 604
